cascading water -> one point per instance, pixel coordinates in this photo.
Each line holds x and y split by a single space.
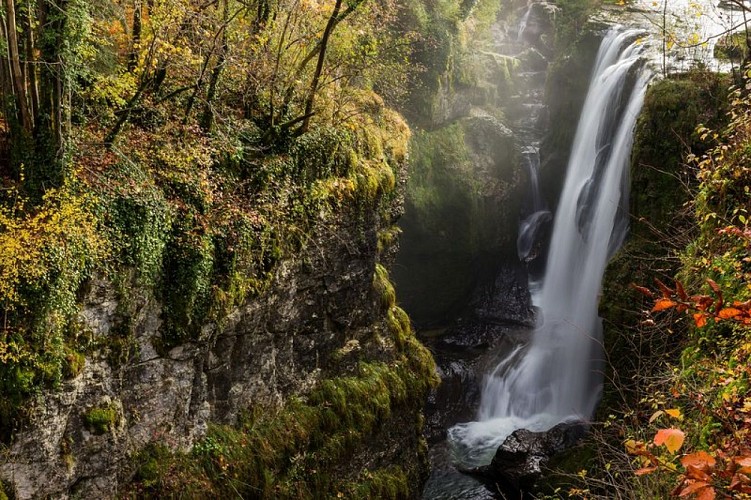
557 375
524 21
538 215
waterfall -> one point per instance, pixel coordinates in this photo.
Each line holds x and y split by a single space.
557 375
537 215
524 21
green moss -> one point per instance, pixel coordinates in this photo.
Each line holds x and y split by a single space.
286 454
101 420
74 364
293 452
731 47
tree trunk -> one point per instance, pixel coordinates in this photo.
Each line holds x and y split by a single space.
15 66
136 38
207 119
319 67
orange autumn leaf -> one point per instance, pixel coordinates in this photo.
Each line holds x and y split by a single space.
744 464
707 493
694 473
644 471
729 312
663 304
701 460
693 488
700 319
671 438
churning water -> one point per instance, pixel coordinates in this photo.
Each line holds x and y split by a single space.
557 375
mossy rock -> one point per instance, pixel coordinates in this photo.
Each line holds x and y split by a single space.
101 420
732 47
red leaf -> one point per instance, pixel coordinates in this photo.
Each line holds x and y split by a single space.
644 471
702 301
666 291
671 438
663 304
693 488
700 460
700 319
739 482
707 493
713 285
642 290
695 473
681 291
718 305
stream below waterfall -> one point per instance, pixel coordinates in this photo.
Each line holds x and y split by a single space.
551 372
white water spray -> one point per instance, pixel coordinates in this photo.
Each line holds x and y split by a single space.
557 376
524 21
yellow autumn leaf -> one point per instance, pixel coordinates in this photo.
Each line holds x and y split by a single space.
675 413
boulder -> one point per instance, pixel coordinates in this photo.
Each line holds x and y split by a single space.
523 456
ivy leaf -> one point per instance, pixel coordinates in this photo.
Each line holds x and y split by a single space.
671 438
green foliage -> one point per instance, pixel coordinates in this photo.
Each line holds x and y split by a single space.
732 47
196 218
101 420
570 23
672 108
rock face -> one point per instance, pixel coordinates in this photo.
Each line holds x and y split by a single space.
81 439
523 456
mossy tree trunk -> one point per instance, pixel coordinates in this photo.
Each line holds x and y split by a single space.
35 86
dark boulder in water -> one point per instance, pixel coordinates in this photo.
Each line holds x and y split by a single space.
521 459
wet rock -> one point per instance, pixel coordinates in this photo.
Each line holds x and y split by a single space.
533 60
523 456
504 300
453 400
